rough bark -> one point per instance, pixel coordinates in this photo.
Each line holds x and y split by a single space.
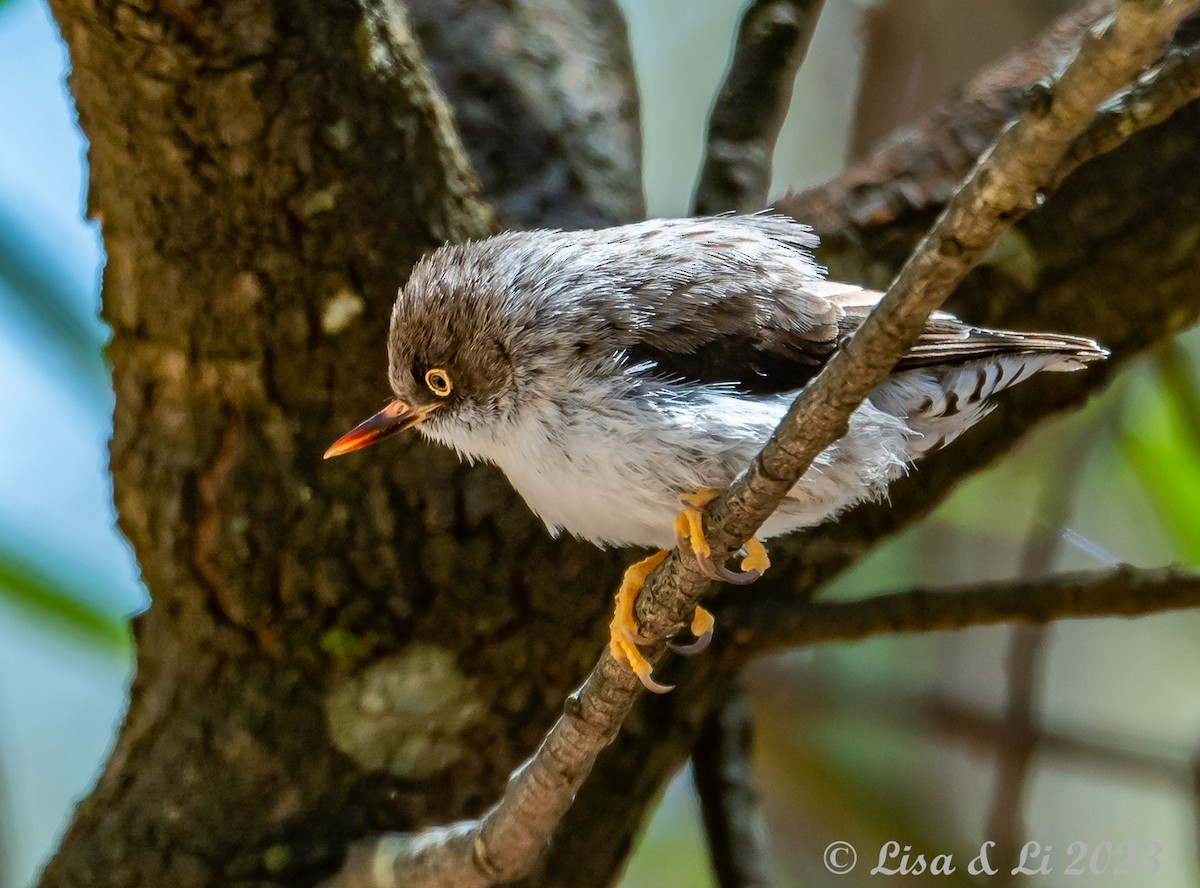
544 95
337 649
265 176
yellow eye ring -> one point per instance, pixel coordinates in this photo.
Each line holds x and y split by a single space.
439 382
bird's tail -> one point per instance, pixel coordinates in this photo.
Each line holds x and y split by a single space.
941 401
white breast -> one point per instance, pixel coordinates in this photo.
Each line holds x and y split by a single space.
594 465
609 468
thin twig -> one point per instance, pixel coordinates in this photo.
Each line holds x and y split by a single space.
744 125
733 822
773 623
1026 658
926 714
507 841
743 129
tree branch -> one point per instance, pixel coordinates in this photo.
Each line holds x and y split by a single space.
1098 270
1157 94
1025 663
565 93
1006 183
744 125
773 624
930 714
733 823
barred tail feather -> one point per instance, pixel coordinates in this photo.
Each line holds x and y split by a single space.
941 402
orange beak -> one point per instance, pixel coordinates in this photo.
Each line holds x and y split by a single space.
391 420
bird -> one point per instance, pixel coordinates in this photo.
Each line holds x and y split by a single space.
621 376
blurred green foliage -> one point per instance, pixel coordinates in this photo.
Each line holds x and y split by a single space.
36 298
63 599
36 293
1160 437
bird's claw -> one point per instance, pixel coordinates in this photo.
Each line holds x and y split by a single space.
726 575
699 646
624 637
702 628
648 681
634 637
689 529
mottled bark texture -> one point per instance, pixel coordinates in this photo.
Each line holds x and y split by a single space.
751 105
544 95
372 644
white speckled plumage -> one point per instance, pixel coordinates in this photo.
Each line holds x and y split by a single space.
607 372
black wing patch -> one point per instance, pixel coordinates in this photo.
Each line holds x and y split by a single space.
736 360
772 362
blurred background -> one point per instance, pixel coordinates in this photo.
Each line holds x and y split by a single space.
1086 731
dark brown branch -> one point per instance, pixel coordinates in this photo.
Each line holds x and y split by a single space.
733 823
772 624
507 841
1157 94
750 108
550 120
744 126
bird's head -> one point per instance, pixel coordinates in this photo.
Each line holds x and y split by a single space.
449 358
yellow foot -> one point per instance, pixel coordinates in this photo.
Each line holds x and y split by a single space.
623 637
689 527
689 524
756 556
702 628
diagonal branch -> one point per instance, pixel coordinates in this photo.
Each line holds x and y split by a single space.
772 624
771 44
1015 174
507 841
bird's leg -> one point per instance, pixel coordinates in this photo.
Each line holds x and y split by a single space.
689 527
623 637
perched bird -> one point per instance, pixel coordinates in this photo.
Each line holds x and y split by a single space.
616 375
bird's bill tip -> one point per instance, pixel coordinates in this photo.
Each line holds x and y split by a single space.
349 442
391 420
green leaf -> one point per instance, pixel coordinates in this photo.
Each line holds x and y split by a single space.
35 589
1158 438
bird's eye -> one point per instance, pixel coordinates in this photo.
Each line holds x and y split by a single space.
439 382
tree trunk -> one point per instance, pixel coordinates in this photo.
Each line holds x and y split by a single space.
336 649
